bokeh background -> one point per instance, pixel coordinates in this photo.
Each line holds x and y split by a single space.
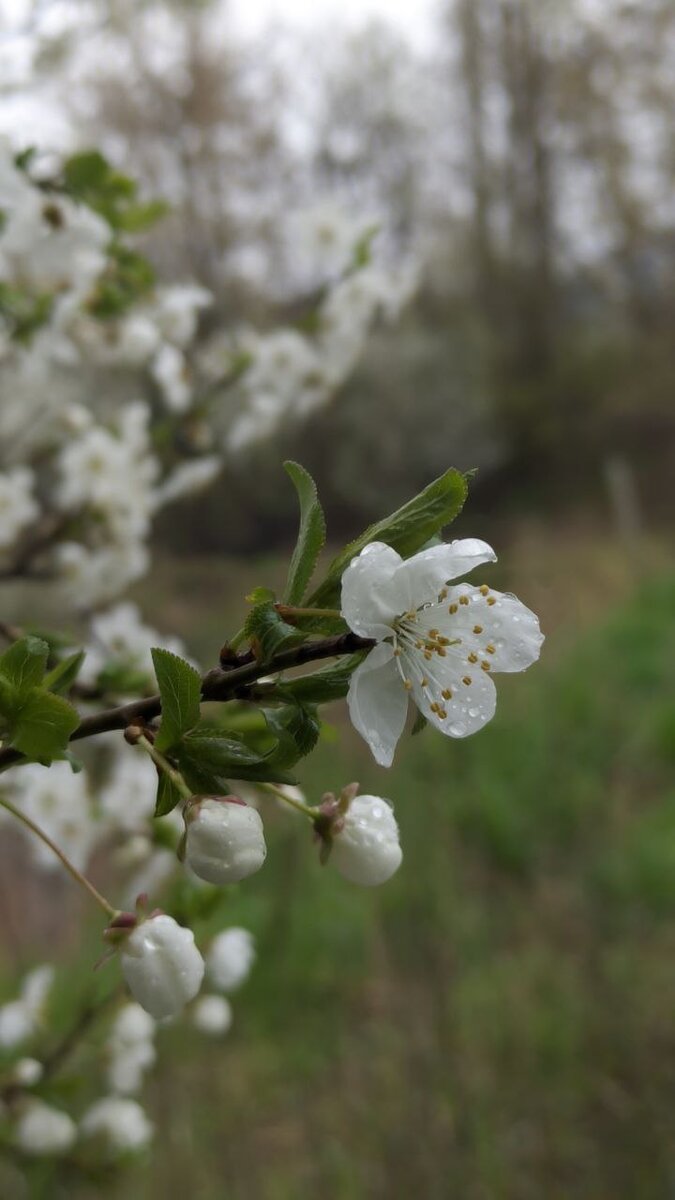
497 1023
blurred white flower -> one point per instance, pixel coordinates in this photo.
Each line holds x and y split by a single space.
58 800
171 374
119 635
437 643
17 504
120 1125
176 311
27 1072
42 1130
225 840
161 965
365 848
230 958
212 1015
187 479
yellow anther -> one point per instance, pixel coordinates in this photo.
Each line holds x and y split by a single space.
419 645
442 595
441 651
490 649
424 682
407 685
478 628
485 665
464 599
397 653
433 633
484 589
410 616
428 655
491 600
452 608
433 706
473 658
442 713
446 694
443 641
466 679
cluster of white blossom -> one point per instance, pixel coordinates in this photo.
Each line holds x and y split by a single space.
116 1125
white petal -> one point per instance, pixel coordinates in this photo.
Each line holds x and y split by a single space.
367 605
496 626
425 574
466 697
378 703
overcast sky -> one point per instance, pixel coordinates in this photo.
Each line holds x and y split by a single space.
414 17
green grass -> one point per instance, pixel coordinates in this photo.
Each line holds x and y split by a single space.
495 1024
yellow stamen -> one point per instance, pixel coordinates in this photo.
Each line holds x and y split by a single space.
452 608
407 685
466 680
490 649
485 666
491 600
478 628
464 599
484 589
473 658
446 694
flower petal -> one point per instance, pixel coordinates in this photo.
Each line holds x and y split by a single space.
378 703
494 626
454 698
425 574
368 606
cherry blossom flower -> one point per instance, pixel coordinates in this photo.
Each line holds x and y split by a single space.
438 644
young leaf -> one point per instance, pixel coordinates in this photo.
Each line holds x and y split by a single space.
42 728
269 632
23 665
296 728
407 530
207 761
331 683
64 674
311 535
180 688
168 795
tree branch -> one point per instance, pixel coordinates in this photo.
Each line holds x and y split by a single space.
220 683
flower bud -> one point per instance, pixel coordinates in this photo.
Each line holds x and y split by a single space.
161 965
230 958
365 845
119 1126
212 1015
43 1130
225 841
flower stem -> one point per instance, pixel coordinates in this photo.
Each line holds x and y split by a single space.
77 875
164 765
273 790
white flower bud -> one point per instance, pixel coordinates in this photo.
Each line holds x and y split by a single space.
132 1025
162 966
16 1024
120 1125
366 848
212 1015
230 958
225 840
27 1072
43 1130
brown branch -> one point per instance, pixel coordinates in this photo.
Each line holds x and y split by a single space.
217 684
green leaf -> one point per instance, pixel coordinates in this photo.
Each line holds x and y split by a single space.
420 723
168 795
268 632
43 726
23 665
207 761
407 530
64 674
311 535
180 688
331 683
296 728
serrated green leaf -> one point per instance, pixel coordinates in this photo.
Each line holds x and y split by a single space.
180 688
296 728
407 530
311 535
208 761
168 795
331 683
269 632
64 674
23 665
43 726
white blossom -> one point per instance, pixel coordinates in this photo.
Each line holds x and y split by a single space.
119 1124
230 958
171 373
16 1024
225 841
188 479
162 966
177 310
42 1130
17 504
127 799
437 643
212 1015
27 1072
58 800
119 635
365 848
130 1049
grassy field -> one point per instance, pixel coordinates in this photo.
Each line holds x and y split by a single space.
497 1022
